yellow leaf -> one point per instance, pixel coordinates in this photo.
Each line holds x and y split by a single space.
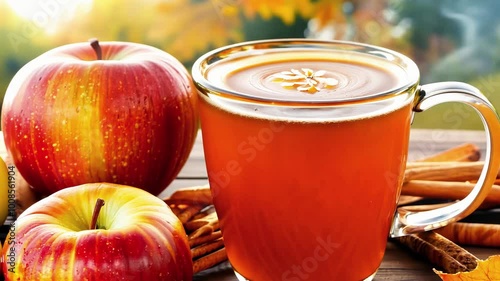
286 10
486 270
328 10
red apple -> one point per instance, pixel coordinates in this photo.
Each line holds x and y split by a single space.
115 112
137 237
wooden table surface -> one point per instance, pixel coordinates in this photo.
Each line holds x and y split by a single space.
399 263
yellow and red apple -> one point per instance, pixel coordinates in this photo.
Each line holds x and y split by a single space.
110 112
135 236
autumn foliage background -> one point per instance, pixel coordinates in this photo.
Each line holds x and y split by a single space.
449 40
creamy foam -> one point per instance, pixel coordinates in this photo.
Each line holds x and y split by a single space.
254 74
251 76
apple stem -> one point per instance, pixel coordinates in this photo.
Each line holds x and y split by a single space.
94 43
98 205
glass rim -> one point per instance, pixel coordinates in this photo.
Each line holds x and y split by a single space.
202 64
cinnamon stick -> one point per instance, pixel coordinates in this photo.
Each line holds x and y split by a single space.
189 212
201 215
198 195
202 226
176 210
458 253
435 255
412 165
448 171
407 199
204 230
465 152
446 190
496 182
210 219
206 211
210 260
474 234
207 248
204 239
428 207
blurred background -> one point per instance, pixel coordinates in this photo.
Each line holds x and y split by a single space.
448 39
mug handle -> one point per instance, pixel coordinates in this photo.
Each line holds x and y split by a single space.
406 222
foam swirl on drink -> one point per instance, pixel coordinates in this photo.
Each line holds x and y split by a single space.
264 76
277 85
305 80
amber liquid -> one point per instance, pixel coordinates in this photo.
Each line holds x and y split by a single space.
305 200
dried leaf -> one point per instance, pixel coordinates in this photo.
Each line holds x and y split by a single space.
486 270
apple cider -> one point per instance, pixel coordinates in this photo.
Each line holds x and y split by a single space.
305 177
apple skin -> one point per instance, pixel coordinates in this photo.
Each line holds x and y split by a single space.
138 238
129 118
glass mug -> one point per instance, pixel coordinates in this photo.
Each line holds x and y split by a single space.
306 144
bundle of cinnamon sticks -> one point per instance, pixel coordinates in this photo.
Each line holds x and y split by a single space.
193 206
447 176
